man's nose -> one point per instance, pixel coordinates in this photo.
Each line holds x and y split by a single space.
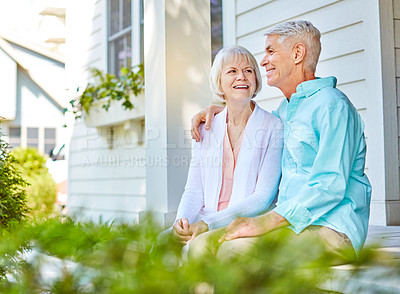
263 61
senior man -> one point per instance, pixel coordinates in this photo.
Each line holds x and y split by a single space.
323 191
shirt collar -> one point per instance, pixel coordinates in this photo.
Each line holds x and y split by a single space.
307 88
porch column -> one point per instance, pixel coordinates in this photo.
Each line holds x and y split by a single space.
177 54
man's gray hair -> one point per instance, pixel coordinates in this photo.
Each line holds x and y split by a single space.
300 31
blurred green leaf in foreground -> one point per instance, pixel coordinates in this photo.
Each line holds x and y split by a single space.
88 257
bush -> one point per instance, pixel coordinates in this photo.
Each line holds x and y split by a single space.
121 258
85 257
13 206
41 193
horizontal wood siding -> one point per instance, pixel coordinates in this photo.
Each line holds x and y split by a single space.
104 182
245 5
86 40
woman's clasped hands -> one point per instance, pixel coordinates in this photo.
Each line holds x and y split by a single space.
185 233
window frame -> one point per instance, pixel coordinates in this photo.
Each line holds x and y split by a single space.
136 35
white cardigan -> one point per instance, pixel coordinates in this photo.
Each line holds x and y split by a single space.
256 177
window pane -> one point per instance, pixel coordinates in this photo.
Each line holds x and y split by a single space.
118 56
113 17
141 32
14 142
48 148
33 144
14 132
49 139
32 137
128 51
126 14
33 133
49 133
119 46
216 26
14 135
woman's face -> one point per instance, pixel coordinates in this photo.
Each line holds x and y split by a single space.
238 81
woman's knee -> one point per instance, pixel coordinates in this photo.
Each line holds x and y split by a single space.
205 244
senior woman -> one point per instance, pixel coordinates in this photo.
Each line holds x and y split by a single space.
236 166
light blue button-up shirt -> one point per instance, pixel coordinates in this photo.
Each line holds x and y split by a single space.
323 181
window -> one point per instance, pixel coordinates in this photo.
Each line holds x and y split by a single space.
119 35
216 26
32 137
125 31
49 139
14 135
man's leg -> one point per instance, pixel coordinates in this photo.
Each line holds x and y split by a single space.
252 245
316 237
335 243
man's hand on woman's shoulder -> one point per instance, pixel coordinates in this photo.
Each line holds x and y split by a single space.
204 116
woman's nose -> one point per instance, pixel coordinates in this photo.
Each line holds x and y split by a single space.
240 75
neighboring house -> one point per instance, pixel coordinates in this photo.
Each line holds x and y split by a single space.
124 164
32 82
32 79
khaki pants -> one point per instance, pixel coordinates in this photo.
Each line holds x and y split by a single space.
337 244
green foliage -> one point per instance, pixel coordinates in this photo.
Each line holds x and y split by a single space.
107 88
122 258
13 206
41 193
87 257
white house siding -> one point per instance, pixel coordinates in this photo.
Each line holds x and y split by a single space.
48 72
8 76
86 40
350 51
107 183
396 5
104 182
35 108
396 16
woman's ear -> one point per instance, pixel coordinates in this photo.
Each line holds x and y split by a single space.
299 52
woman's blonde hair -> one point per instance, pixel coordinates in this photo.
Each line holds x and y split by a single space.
232 54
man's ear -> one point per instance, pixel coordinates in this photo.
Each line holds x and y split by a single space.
299 53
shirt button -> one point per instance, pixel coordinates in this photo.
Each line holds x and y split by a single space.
288 122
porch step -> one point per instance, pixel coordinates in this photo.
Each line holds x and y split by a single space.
383 277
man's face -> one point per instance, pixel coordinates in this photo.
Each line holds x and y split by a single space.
277 62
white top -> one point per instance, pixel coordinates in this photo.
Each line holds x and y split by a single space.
256 177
